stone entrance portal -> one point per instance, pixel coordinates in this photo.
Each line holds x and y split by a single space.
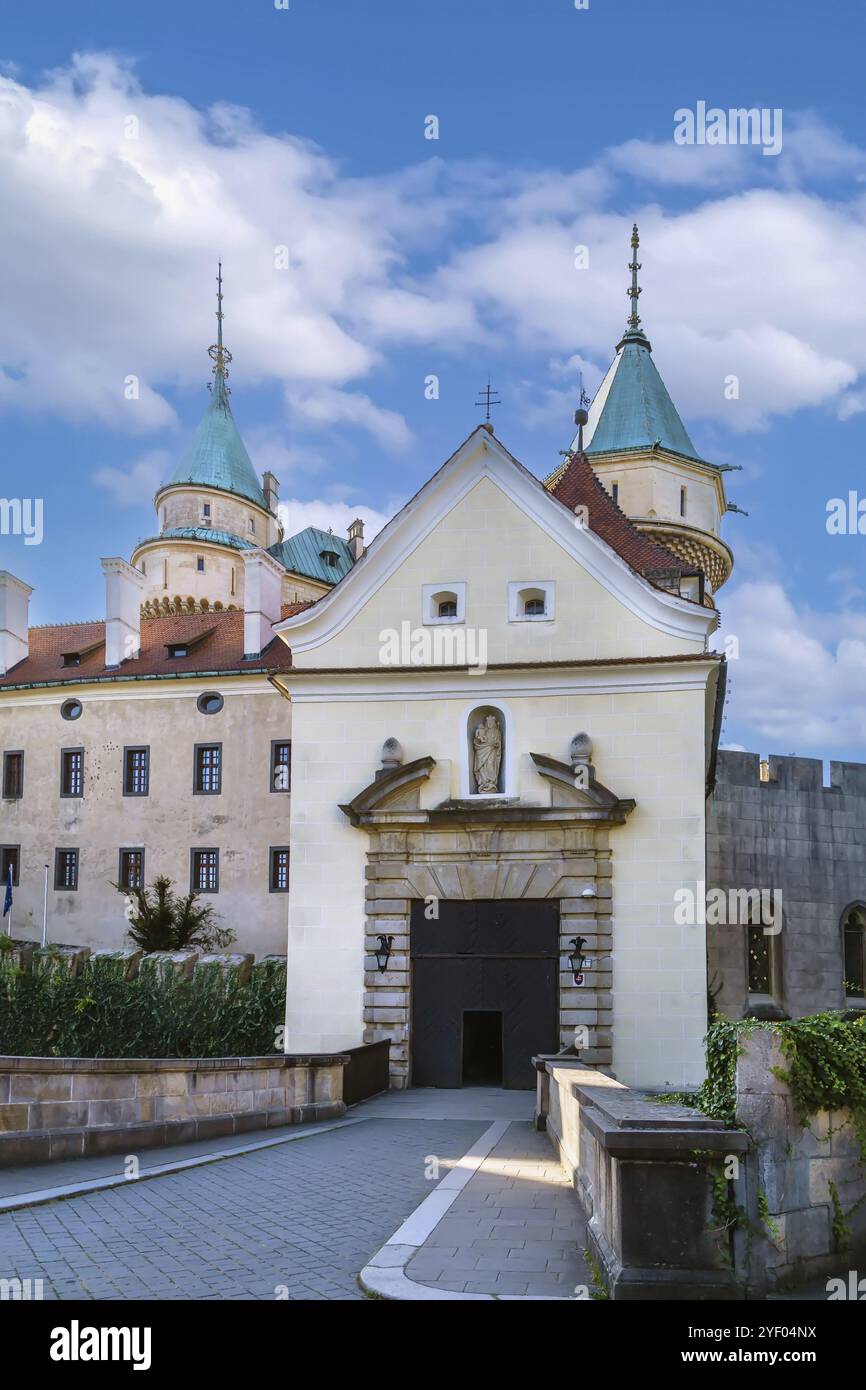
484 991
498 852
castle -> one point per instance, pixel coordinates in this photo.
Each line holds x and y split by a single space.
473 859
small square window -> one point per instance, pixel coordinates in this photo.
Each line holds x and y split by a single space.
130 874
204 871
72 772
444 603
10 856
13 776
279 874
530 601
66 870
281 766
136 771
208 769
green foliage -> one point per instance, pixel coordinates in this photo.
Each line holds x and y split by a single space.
160 920
48 1012
841 1234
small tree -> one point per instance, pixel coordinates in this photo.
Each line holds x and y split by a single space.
159 920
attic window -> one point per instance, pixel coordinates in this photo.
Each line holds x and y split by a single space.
329 557
531 602
444 603
178 649
72 658
448 608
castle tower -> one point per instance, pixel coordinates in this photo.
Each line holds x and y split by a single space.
212 510
642 454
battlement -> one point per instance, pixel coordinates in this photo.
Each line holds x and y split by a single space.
735 769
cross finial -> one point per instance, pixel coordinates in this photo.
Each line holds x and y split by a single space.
487 394
634 290
220 355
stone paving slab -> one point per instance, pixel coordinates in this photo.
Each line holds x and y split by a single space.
298 1220
516 1229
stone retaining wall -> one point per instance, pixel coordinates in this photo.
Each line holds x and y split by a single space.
796 1170
68 1107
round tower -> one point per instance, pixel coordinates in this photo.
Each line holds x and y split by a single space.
212 510
641 452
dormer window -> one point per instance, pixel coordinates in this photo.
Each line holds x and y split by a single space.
176 649
531 602
330 558
72 658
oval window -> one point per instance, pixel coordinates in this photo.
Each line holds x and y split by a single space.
71 709
209 703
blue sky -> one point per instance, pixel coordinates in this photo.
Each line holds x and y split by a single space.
139 142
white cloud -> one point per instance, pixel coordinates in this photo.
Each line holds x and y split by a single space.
798 680
331 515
117 203
137 483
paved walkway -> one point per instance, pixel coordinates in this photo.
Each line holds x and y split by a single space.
300 1218
516 1228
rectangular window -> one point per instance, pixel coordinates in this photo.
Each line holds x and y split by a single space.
280 869
199 564
13 776
136 771
66 870
760 962
614 491
204 871
9 854
682 501
164 569
855 965
205 511
281 766
72 772
131 869
208 769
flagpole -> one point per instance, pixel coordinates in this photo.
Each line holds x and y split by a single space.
45 910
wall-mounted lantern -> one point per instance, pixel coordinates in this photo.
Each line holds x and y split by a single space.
577 959
383 952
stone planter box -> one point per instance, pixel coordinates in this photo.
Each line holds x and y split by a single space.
69 1107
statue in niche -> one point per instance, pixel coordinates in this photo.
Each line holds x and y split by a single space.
487 745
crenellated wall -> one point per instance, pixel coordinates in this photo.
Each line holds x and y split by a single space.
794 834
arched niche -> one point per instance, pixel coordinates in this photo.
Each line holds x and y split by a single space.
473 719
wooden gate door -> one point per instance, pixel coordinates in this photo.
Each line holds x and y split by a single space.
494 957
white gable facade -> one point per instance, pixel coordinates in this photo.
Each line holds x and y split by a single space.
505 918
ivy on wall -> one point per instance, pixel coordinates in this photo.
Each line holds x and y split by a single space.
48 1012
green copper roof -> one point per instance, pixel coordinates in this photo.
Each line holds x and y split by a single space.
205 533
637 411
302 554
217 456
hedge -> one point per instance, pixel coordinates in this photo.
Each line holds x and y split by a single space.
48 1012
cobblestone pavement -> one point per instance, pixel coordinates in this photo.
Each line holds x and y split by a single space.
516 1228
304 1217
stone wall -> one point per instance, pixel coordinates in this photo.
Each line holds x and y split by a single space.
639 1170
797 1170
790 833
66 1107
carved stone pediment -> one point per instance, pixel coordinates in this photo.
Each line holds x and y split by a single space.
393 798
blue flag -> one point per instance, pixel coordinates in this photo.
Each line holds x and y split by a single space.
7 901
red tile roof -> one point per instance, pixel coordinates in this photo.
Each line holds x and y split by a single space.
220 649
578 485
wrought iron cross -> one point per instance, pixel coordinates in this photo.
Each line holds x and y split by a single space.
487 395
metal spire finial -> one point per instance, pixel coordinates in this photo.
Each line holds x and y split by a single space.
220 355
487 395
634 291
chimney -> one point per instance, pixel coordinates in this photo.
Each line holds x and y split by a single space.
271 488
123 586
356 538
14 615
263 581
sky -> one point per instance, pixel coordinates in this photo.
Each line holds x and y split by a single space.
361 258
